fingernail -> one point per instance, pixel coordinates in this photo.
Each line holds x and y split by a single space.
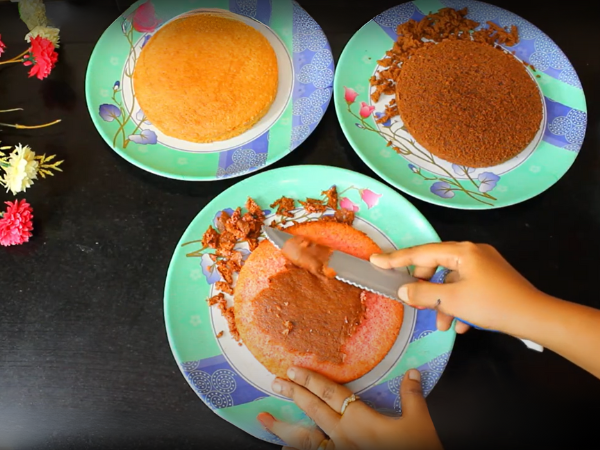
291 373
374 256
266 420
277 387
403 293
414 374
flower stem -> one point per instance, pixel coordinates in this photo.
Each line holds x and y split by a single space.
193 242
466 171
346 190
10 110
121 125
32 127
451 180
20 57
127 141
472 195
12 61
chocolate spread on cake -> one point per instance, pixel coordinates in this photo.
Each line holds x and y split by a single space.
305 309
308 255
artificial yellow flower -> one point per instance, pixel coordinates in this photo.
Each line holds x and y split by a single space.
21 170
50 33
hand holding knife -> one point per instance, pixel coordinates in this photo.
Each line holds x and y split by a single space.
366 276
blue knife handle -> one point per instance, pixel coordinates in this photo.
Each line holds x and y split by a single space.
440 278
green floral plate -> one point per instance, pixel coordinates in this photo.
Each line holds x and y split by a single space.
305 84
226 376
415 170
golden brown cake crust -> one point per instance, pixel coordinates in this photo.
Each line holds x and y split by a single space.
469 103
206 78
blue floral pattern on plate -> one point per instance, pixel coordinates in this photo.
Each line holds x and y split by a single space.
308 111
313 69
246 7
398 14
385 397
243 160
572 127
218 384
538 48
318 71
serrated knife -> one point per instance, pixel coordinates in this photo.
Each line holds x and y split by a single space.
364 275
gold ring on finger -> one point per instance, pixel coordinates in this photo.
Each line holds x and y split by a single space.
347 401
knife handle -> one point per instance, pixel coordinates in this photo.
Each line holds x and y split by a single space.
440 278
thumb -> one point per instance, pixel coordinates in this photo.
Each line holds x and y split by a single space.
411 394
425 294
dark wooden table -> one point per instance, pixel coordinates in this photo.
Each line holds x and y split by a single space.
84 359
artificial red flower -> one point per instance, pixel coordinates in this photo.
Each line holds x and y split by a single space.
2 46
15 224
41 56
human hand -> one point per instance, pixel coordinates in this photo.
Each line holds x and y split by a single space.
483 288
359 427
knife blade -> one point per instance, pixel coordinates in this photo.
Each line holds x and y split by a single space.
364 275
355 271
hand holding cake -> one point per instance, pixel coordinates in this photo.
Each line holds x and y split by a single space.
349 423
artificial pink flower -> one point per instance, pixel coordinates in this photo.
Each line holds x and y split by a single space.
41 56
350 95
15 224
366 110
2 46
370 198
145 19
348 204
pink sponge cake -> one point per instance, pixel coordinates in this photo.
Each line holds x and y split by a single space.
288 316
